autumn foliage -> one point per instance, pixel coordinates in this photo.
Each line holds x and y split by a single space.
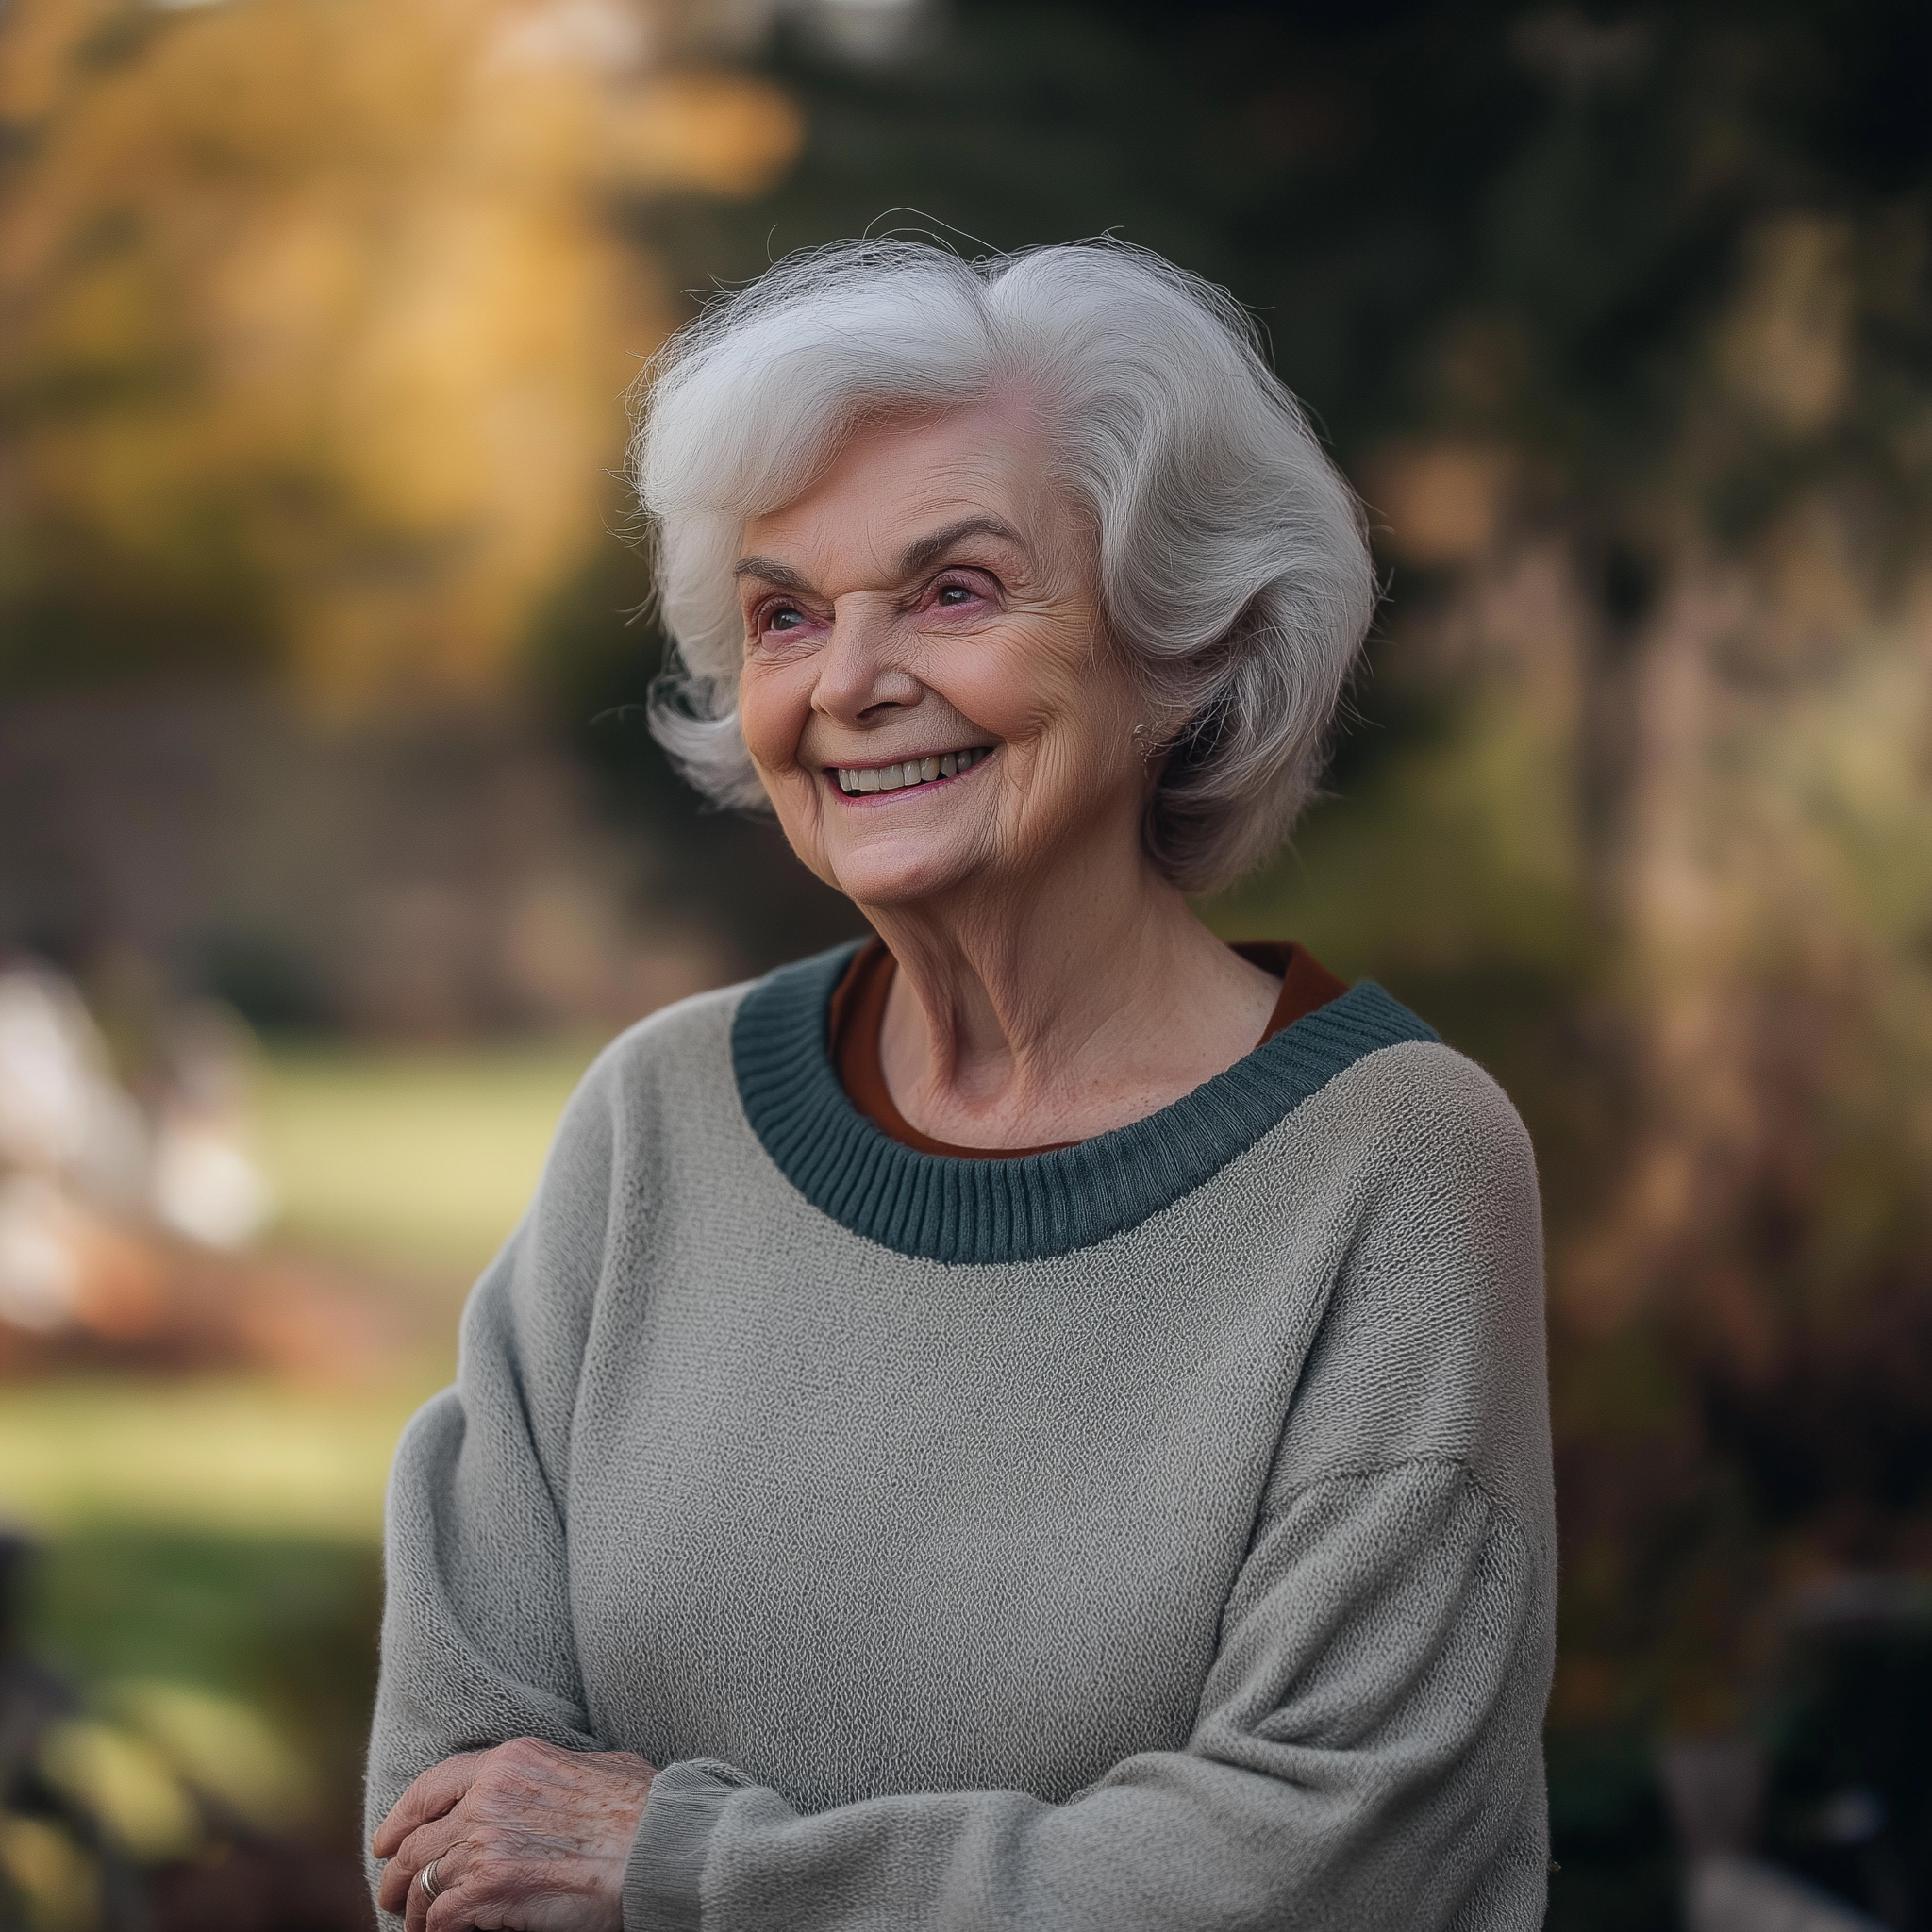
315 317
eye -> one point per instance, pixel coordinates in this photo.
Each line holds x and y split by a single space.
779 619
954 593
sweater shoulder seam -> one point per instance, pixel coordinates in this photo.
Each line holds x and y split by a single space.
1367 1471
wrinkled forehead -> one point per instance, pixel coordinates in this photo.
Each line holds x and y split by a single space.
897 484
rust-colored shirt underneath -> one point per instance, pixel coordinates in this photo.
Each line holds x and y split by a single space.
859 1010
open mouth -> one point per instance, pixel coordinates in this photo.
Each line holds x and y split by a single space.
855 779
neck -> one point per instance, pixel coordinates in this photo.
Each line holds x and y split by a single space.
1058 1005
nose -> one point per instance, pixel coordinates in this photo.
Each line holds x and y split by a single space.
861 674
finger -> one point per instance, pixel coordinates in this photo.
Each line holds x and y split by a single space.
431 1841
479 1891
421 1910
429 1797
393 1890
415 1905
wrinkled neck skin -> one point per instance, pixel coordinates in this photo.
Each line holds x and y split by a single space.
1059 1004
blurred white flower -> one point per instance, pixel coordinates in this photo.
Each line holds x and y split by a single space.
61 1111
203 1178
603 35
48 1068
205 1186
39 1263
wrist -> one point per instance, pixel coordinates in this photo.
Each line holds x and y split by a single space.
664 1878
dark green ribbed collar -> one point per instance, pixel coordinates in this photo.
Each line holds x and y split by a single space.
1023 1210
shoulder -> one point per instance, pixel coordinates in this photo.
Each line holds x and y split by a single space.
1432 1342
671 1092
668 1075
680 1054
660 1087
694 1054
1416 1111
694 1029
1442 1175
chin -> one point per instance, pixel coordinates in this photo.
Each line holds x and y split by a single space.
887 877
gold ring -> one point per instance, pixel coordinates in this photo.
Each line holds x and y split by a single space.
430 1889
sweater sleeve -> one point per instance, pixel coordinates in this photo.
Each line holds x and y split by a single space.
1366 1749
476 1630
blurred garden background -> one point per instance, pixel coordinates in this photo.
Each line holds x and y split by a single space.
332 846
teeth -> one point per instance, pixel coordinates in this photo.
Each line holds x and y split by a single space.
913 772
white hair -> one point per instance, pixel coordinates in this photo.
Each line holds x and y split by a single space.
1233 570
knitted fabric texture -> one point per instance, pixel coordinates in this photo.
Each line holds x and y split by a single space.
1159 1538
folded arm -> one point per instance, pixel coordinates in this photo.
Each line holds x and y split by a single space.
1366 1755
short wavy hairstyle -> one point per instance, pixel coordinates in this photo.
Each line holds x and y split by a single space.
1234 568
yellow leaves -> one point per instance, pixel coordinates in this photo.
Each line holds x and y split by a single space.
712 132
338 277
147 1770
38 53
222 1748
125 1783
52 1875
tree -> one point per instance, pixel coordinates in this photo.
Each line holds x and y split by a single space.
316 324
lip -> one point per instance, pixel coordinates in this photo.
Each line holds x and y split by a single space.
980 754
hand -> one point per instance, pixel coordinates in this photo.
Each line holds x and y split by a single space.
525 1838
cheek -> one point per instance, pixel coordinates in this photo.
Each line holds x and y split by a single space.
1019 690
773 708
1049 697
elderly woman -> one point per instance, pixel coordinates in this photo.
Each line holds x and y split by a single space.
1038 1420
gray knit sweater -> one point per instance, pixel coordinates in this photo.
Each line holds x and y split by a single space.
1155 1533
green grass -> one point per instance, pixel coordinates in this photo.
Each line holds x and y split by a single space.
406 1168
419 1160
222 1532
278 1618
236 1456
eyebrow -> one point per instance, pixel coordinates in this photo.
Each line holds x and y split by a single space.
927 551
768 570
918 556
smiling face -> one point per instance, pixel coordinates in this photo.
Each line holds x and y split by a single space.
928 693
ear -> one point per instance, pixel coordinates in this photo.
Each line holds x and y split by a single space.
1155 739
